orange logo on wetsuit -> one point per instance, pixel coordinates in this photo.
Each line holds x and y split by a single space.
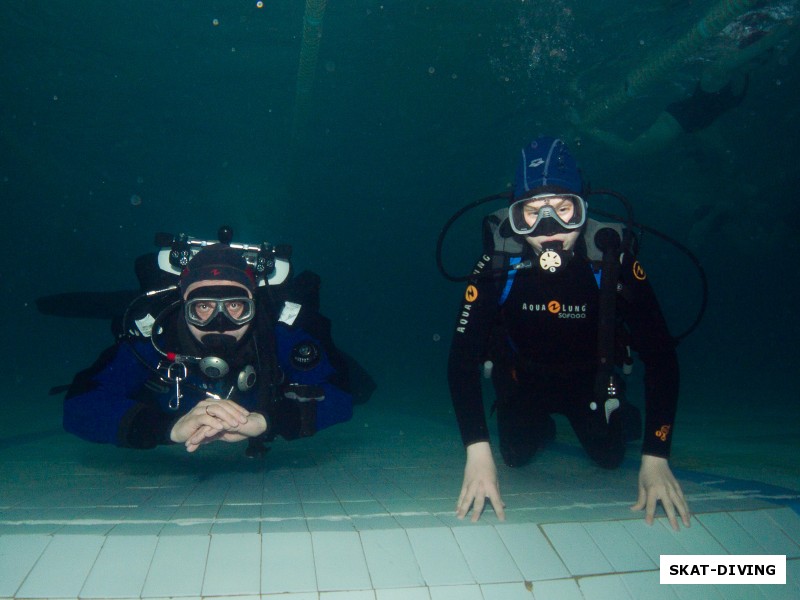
554 306
471 294
663 433
638 271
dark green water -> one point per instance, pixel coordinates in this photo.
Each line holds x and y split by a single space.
416 108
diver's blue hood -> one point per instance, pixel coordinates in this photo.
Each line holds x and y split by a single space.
546 165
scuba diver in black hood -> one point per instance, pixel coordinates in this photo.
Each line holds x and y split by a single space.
220 362
536 319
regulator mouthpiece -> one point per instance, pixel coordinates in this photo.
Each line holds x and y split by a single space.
553 257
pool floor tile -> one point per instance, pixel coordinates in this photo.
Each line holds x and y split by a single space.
328 519
63 567
164 580
339 561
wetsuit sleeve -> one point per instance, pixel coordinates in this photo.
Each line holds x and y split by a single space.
651 339
100 405
308 369
476 317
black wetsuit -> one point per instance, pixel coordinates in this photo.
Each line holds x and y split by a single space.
702 108
543 340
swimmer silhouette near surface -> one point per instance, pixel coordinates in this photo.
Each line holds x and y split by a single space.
740 47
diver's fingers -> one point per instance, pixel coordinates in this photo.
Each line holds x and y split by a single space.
226 411
679 501
650 508
477 507
205 434
641 501
497 504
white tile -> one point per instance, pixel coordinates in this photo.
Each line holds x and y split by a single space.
486 555
339 560
532 552
237 518
18 554
418 521
618 546
121 567
134 528
647 584
766 532
789 521
793 572
697 592
168 496
62 568
520 590
287 563
654 539
249 491
316 492
164 580
362 523
439 557
778 592
282 518
456 592
206 494
390 559
739 592
577 549
351 492
793 578
604 587
365 508
419 593
282 492
298 596
695 539
349 595
730 534
557 589
234 565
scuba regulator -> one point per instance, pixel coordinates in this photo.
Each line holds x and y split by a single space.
145 315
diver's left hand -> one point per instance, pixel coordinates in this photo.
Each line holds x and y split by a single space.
656 482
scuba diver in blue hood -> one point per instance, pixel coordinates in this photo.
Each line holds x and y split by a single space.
548 313
220 353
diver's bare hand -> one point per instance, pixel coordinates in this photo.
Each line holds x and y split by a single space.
217 415
656 482
480 483
256 425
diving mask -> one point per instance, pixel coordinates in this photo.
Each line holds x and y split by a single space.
547 214
207 306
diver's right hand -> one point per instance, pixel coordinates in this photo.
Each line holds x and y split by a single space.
216 415
480 482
